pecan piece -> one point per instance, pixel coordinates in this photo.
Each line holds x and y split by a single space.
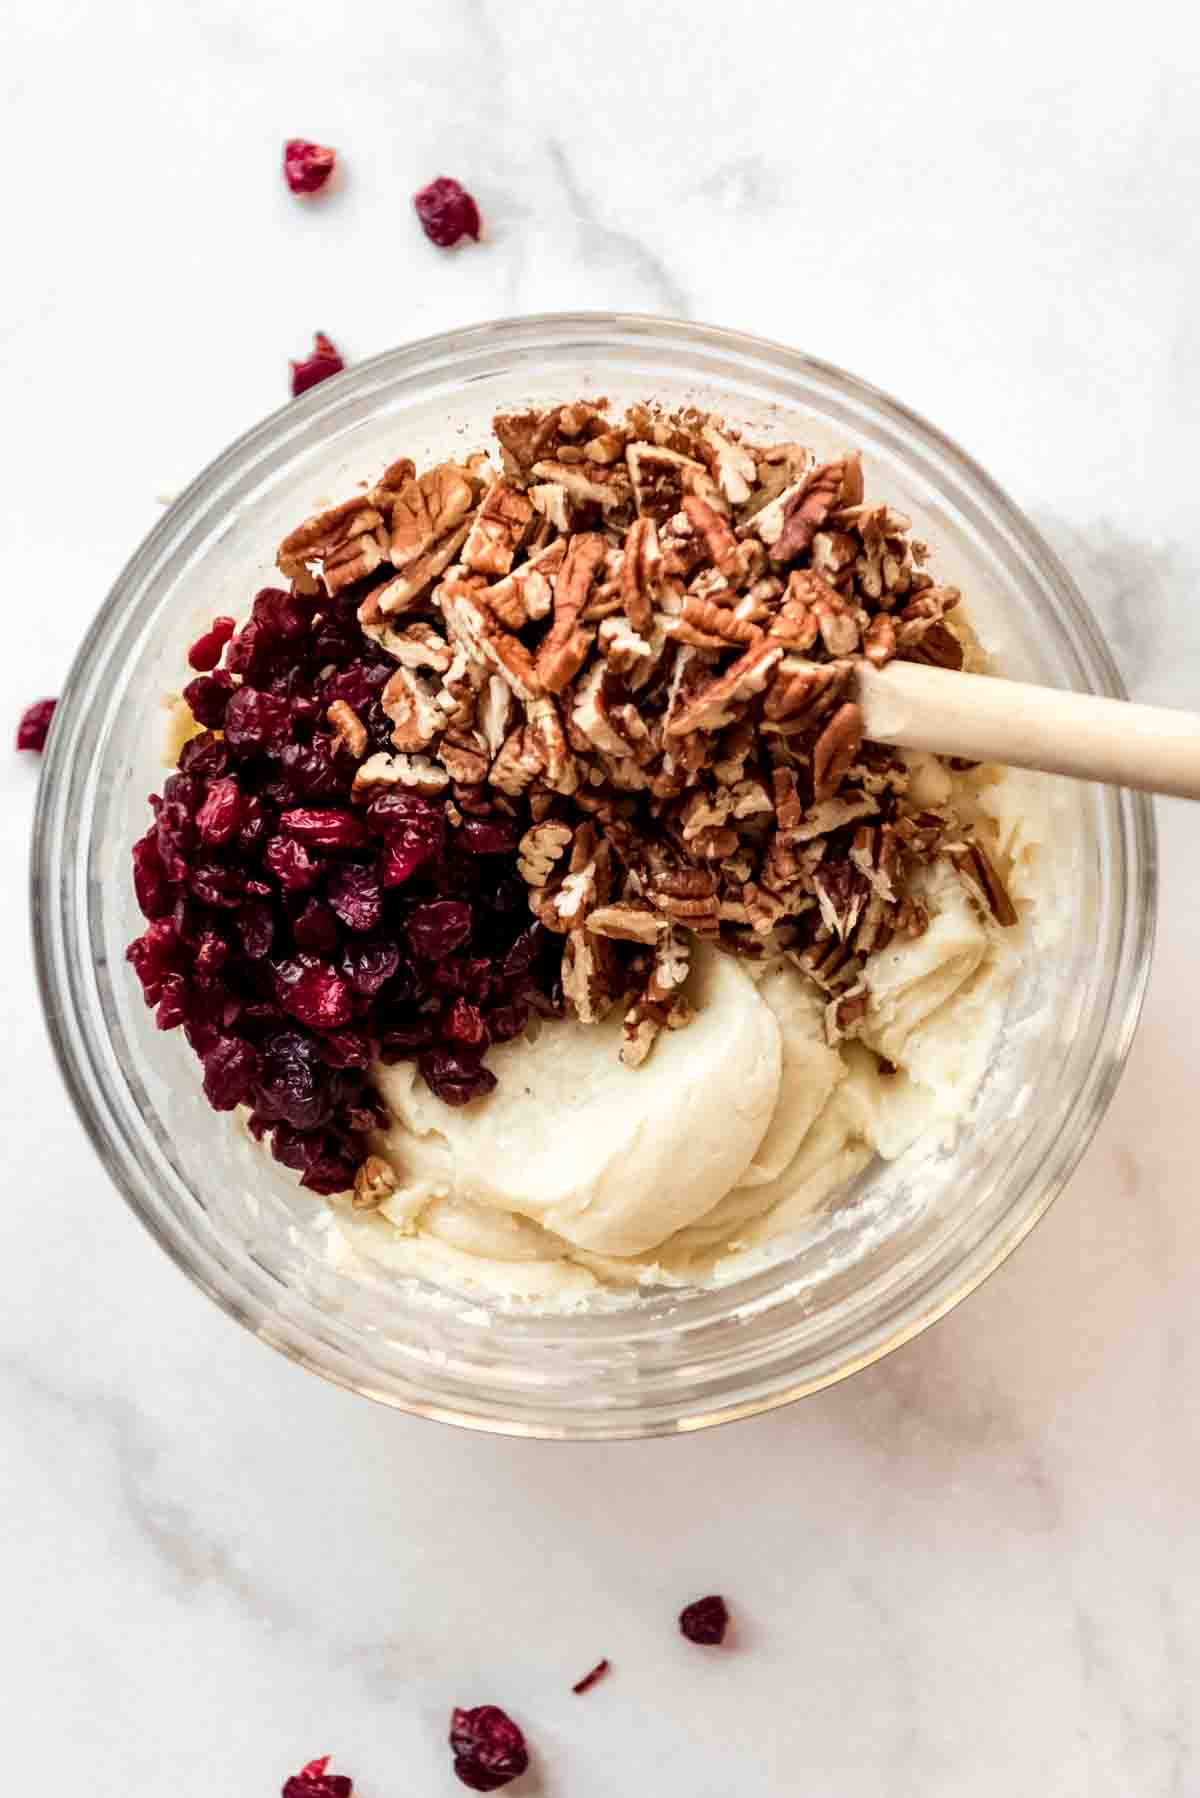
977 868
501 525
539 849
639 574
374 1182
566 645
717 703
527 593
719 540
483 638
807 512
836 749
411 704
427 509
349 731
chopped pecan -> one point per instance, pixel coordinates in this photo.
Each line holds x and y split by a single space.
409 590
807 512
879 640
805 691
411 704
589 975
660 479
484 639
540 848
977 868
427 509
710 626
349 731
836 748
734 467
628 923
639 574
374 1182
465 756
788 807
416 646
526 436
718 701
501 525
348 541
719 540
590 485
558 765
518 763
566 645
495 713
382 770
527 594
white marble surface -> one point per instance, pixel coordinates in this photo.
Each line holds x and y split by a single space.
973 1569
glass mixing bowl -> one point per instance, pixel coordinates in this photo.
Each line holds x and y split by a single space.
888 1260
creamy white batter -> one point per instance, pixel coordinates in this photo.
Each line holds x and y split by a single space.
578 1173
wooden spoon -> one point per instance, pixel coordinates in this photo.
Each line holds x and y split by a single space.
985 719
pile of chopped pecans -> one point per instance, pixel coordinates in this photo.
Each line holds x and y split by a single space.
648 628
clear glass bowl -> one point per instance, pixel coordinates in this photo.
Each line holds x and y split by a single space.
883 1264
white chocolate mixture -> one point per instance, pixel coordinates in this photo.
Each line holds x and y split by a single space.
578 1174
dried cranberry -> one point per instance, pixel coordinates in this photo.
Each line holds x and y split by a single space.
323 1163
208 696
172 1006
315 927
292 1088
434 930
591 1678
369 966
487 836
154 955
205 756
312 992
255 721
447 212
463 1023
291 864
487 1746
254 924
318 367
216 883
705 1621
345 1049
220 815
310 770
332 829
230 1069
355 893
456 1076
150 883
505 1022
313 1781
307 167
281 617
207 650
211 954
34 724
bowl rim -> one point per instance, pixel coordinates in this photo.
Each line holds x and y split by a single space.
273 433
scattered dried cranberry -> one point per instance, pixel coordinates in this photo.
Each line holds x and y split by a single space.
705 1621
207 650
312 1781
316 368
447 212
306 167
488 1748
35 722
590 1679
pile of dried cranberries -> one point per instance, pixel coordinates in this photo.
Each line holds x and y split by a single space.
297 937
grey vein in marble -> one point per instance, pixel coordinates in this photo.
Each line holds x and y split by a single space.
605 247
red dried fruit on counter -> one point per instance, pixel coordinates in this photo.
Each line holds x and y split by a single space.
307 167
447 212
489 1750
35 722
313 1781
207 650
590 1679
705 1621
316 368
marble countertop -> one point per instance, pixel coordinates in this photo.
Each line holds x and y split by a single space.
972 1569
